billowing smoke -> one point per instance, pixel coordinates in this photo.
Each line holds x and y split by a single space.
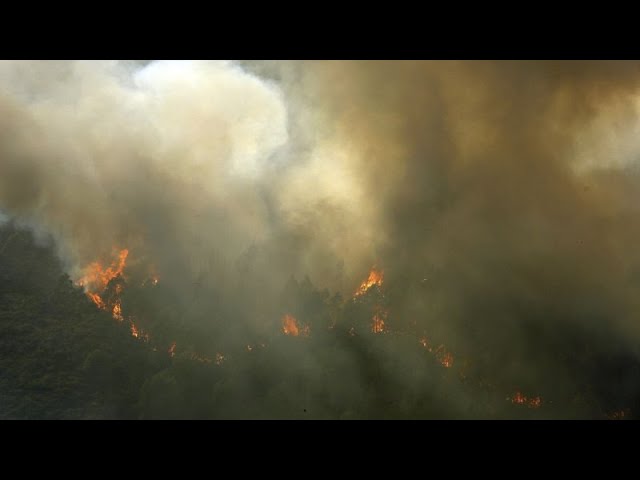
500 198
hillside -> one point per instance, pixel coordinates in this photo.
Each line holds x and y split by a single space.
61 357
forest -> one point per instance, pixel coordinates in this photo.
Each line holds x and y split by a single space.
321 356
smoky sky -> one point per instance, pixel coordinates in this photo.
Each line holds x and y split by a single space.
485 190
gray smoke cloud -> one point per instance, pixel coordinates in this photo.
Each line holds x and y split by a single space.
495 195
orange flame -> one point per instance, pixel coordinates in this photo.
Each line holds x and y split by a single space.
96 277
375 277
117 311
95 298
442 355
290 327
95 281
172 350
138 333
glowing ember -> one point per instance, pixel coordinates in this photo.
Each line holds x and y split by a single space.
619 414
219 358
153 280
117 311
521 399
375 278
134 330
425 343
442 355
249 348
172 350
446 360
378 324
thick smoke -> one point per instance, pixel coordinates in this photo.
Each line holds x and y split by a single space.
499 197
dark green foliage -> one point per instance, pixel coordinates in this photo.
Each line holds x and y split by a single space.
59 356
62 358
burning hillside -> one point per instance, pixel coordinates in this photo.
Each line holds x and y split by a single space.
352 238
97 277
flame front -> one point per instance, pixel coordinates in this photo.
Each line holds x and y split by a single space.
95 298
96 278
375 277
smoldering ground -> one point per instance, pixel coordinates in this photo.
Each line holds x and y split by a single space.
498 197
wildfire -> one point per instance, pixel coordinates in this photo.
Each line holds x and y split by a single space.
442 355
219 358
138 332
375 277
172 350
95 298
117 311
378 324
290 327
96 278
446 360
521 399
